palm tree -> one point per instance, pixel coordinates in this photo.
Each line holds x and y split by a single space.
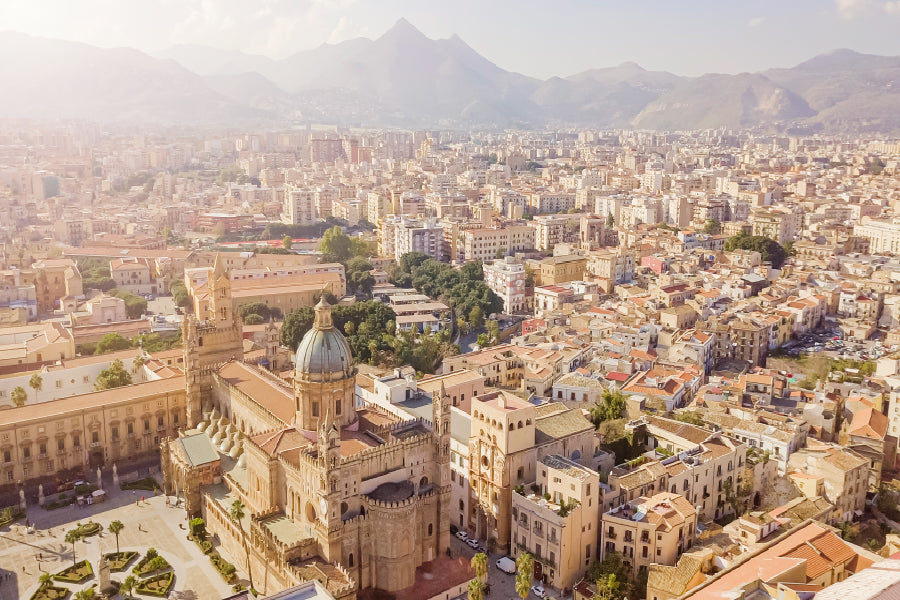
72 537
524 574
85 594
476 590
19 396
237 514
128 584
37 384
479 563
114 528
45 579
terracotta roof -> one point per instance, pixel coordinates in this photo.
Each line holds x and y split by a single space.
869 422
272 397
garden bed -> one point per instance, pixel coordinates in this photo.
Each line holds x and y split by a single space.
88 529
61 502
148 484
118 561
78 573
10 514
151 563
50 592
158 585
225 568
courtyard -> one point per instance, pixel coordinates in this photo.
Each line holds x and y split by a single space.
25 554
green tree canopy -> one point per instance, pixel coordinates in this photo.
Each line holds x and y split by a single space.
359 276
135 306
287 242
112 342
19 396
113 376
712 227
769 250
609 407
180 294
337 246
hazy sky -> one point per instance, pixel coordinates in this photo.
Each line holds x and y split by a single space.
538 38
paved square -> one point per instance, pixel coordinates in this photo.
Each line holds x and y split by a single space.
24 556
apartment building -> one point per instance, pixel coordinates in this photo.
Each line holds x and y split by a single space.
883 236
488 243
134 275
553 229
649 530
53 280
403 235
551 202
299 206
562 269
507 279
560 533
837 473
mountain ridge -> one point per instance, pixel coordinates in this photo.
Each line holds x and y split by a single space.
404 78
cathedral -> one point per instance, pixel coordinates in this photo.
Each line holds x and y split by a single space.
333 491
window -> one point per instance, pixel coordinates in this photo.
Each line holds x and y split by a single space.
146 425
7 456
115 434
76 441
315 409
59 383
430 529
26 452
130 427
95 437
337 406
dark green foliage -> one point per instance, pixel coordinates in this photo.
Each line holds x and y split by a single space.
280 230
180 294
112 342
135 306
712 227
337 247
77 573
462 289
359 276
113 376
690 416
610 407
157 342
118 561
198 528
769 250
148 484
158 585
260 309
369 319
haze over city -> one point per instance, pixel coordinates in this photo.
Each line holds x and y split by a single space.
395 300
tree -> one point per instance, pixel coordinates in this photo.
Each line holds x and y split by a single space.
609 407
712 227
128 584
72 537
529 277
475 590
287 242
769 250
476 318
609 588
690 416
85 594
524 574
113 376
180 294
479 563
116 528
236 513
483 340
612 563
610 220
493 329
112 342
19 396
335 246
359 276
36 383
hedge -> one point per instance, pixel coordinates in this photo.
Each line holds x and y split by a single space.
158 585
50 592
118 561
78 573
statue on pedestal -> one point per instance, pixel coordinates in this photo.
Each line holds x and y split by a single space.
107 588
41 494
99 479
115 476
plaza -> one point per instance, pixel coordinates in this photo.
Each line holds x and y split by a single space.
150 523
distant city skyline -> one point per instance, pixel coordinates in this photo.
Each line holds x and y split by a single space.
523 36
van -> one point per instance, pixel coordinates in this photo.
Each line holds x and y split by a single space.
507 565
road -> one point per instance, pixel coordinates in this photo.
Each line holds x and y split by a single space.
503 586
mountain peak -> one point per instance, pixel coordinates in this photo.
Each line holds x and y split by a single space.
405 29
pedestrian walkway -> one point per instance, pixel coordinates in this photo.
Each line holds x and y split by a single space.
149 523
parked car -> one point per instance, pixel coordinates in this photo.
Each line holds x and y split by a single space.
473 543
538 590
462 535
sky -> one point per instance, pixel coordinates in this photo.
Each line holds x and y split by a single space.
537 38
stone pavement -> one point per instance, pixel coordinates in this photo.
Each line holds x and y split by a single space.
151 523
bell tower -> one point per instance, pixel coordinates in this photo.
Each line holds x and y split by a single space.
440 408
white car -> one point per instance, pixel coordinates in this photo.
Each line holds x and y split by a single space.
462 535
538 590
472 542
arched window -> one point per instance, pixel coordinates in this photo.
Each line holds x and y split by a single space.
350 560
337 406
520 424
430 529
423 482
461 505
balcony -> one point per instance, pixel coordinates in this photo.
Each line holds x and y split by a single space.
43 456
95 444
61 452
161 428
611 535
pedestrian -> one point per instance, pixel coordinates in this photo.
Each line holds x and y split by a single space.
40 556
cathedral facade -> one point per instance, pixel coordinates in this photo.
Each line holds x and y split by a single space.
348 495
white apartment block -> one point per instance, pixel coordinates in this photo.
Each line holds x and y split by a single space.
486 243
883 236
551 202
402 235
299 206
550 230
507 279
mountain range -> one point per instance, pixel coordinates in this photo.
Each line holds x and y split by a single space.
406 79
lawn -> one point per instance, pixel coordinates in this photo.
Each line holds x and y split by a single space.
118 561
158 585
78 573
148 484
151 563
87 529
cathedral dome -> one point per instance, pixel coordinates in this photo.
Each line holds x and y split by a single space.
323 353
